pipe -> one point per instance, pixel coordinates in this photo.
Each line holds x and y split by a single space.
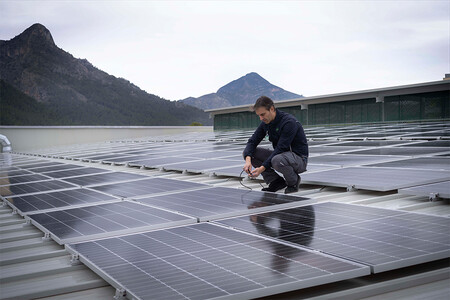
6 144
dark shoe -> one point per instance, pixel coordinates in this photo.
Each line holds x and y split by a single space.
275 185
293 188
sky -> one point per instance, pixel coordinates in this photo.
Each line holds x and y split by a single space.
179 49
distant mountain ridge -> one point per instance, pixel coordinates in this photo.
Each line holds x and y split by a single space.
244 90
39 80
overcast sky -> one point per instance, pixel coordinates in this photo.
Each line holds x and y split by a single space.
177 49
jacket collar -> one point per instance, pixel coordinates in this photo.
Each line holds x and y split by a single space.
277 118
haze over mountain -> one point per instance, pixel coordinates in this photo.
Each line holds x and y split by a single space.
42 84
244 90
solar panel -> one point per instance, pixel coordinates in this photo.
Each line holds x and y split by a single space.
56 200
105 178
55 168
39 164
438 143
34 187
76 172
105 220
343 160
331 149
213 154
205 261
12 173
376 179
202 165
434 190
410 151
423 163
381 238
160 161
24 179
147 187
220 202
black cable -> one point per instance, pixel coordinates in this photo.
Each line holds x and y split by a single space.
240 181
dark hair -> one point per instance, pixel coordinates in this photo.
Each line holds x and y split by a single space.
263 101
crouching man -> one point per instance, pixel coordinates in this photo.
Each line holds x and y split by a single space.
290 154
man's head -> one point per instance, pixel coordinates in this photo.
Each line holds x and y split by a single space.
265 109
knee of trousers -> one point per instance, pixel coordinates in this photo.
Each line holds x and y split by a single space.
278 161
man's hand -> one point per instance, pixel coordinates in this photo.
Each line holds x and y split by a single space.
257 171
248 165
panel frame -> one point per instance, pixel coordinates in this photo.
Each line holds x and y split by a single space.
256 293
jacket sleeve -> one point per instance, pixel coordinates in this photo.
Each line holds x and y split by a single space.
287 135
254 140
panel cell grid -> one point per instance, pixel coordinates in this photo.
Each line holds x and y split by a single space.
380 238
53 200
219 202
147 187
205 261
34 187
91 180
76 172
377 179
93 222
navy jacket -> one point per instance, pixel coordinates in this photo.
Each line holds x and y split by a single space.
285 133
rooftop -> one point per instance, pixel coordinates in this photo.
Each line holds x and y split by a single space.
394 171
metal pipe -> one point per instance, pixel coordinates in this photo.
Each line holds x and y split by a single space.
6 144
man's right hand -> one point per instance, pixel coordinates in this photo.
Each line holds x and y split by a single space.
248 165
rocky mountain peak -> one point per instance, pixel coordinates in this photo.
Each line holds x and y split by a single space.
242 91
36 34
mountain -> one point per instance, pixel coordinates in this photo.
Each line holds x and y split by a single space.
244 90
39 79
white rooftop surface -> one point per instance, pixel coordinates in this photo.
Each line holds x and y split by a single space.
33 266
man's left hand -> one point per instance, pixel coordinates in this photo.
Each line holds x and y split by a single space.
257 171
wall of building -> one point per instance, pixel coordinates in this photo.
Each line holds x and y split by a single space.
411 107
24 138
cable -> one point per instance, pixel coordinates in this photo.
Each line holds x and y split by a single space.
240 181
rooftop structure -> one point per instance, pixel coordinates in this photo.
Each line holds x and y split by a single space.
135 217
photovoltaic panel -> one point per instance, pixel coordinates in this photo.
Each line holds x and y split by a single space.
202 165
438 143
344 160
76 172
220 202
34 187
213 154
372 143
105 178
160 161
410 151
105 220
331 149
12 173
376 179
24 179
54 200
440 189
55 168
205 261
381 238
147 187
39 165
422 163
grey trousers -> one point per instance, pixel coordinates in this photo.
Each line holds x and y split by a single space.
287 163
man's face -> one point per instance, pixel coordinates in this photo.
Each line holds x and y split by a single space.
265 115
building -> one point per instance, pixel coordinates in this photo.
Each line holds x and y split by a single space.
416 102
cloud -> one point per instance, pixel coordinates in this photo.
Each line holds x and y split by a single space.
177 49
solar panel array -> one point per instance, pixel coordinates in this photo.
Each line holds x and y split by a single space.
138 232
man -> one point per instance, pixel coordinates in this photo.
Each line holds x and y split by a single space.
290 154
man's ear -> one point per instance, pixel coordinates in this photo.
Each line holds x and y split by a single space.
272 109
